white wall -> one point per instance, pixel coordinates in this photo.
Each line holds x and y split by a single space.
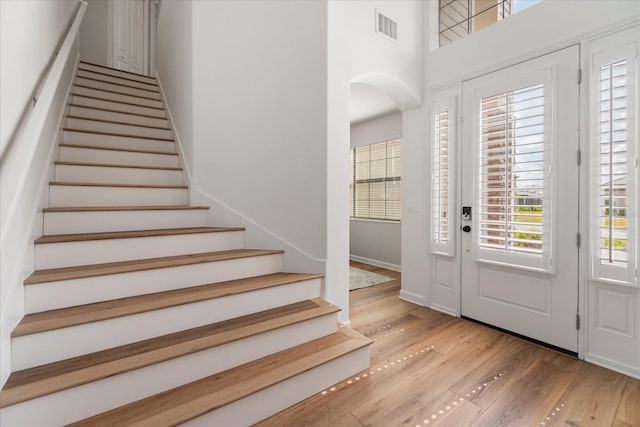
376 242
94 33
29 33
174 66
27 28
393 67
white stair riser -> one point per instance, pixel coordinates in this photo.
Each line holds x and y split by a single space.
116 73
107 221
77 90
68 293
117 80
265 403
91 113
69 254
112 392
114 105
75 341
112 157
98 126
118 142
117 88
115 175
69 195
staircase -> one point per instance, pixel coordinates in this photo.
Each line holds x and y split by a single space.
139 313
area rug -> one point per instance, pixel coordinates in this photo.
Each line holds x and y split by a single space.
359 278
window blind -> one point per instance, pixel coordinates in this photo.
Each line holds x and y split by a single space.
511 172
440 190
376 181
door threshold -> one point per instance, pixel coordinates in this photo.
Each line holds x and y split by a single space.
524 337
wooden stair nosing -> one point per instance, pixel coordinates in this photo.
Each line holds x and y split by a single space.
41 380
118 93
117 134
93 270
191 400
115 69
87 313
128 150
117 123
63 238
86 70
118 84
120 102
107 165
98 184
123 208
115 111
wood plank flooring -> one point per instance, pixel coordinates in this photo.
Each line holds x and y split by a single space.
431 369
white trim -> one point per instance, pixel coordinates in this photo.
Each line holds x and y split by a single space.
110 24
445 310
613 365
376 263
413 298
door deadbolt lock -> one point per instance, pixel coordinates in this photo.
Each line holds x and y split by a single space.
466 228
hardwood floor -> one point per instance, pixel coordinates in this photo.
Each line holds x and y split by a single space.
431 369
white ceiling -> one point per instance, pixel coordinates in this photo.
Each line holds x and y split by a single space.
368 103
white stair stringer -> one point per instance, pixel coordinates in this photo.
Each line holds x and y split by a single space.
114 391
68 293
98 102
98 251
116 116
113 156
124 142
87 338
115 174
120 86
98 220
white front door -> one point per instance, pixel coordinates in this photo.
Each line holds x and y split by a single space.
519 194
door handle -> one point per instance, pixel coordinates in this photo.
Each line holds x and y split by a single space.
466 228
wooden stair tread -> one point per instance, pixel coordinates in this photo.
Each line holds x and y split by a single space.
116 122
87 313
86 70
119 84
115 69
38 381
62 238
125 93
78 272
123 208
114 111
128 150
116 134
199 397
108 165
94 184
118 102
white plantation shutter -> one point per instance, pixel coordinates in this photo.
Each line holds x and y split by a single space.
376 181
513 174
614 176
443 128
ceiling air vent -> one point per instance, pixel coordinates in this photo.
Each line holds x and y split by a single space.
387 26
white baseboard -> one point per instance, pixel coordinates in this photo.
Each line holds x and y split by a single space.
376 263
614 366
413 298
445 310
